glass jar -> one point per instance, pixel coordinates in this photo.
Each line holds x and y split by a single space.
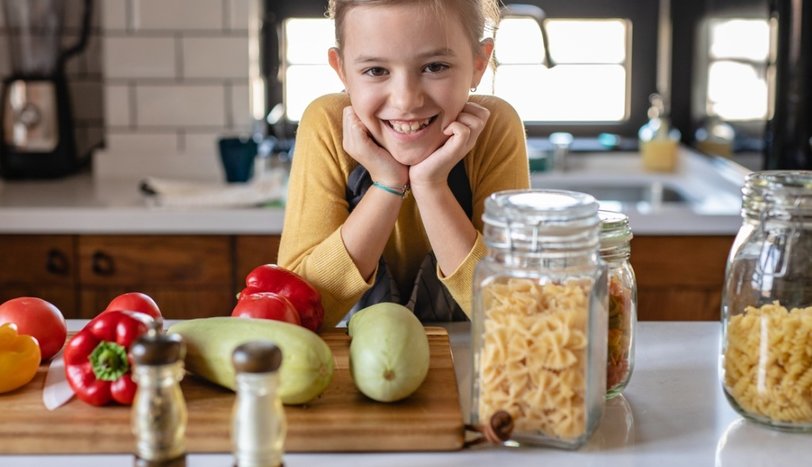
766 364
615 248
659 142
539 317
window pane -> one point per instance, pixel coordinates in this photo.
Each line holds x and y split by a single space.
519 41
736 91
303 83
565 92
587 41
307 40
739 38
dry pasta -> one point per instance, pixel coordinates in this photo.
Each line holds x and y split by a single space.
772 378
533 355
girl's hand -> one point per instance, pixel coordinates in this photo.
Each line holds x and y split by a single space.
360 146
463 134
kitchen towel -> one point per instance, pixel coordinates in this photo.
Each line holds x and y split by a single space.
169 193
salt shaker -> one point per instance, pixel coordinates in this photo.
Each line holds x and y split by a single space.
258 424
159 410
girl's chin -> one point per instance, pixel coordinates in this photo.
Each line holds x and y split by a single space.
410 157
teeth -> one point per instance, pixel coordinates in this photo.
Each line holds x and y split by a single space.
406 127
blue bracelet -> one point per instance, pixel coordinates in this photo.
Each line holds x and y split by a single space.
397 192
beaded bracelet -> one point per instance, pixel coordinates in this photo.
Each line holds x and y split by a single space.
399 191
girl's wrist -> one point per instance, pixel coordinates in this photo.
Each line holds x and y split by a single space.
397 190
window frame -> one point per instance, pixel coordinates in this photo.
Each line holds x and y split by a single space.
643 56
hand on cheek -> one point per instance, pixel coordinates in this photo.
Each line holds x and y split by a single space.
462 133
360 146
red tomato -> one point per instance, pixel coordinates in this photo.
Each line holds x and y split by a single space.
135 301
267 305
36 317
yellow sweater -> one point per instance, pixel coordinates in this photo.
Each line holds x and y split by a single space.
317 208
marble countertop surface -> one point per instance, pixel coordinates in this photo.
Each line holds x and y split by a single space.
84 204
673 413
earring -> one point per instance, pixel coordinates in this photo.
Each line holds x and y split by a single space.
473 89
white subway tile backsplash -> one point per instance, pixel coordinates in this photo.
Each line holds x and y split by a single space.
215 57
142 142
113 15
117 105
240 109
180 105
139 57
174 15
238 14
202 143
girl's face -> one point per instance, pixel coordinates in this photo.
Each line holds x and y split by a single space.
408 73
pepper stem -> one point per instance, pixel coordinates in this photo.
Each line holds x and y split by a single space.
109 361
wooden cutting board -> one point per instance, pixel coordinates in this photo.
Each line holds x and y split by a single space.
341 419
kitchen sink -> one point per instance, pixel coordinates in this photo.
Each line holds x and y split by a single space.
652 193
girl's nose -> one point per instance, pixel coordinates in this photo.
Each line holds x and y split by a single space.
406 94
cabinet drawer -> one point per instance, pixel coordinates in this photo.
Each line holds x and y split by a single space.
37 259
130 260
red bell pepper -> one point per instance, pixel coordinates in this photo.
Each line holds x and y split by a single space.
97 361
304 297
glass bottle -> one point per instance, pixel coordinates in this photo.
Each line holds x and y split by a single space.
615 238
659 142
159 410
539 317
716 137
766 365
258 425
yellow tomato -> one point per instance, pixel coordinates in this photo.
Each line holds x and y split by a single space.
19 358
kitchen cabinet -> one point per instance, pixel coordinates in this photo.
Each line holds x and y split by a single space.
680 277
189 276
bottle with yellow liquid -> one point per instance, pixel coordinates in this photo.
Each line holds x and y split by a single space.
659 142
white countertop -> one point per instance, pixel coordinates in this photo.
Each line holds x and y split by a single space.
81 204
673 413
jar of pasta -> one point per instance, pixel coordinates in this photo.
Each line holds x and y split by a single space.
615 238
766 360
539 318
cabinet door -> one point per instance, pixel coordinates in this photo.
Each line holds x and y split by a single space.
252 251
188 276
680 277
41 266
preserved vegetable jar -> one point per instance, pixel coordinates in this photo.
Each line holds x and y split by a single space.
766 365
615 238
539 317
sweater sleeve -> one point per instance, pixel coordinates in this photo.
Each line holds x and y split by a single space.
498 162
316 209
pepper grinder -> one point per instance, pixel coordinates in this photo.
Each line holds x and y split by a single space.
159 410
258 424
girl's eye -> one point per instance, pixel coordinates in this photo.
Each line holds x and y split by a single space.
435 67
375 71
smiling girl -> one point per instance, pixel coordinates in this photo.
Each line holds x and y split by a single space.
389 178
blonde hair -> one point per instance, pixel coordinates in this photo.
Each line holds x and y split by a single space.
476 16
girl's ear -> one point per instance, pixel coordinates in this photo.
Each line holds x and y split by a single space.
334 57
481 60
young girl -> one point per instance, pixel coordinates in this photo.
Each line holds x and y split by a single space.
389 179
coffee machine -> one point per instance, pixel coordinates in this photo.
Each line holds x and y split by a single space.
37 136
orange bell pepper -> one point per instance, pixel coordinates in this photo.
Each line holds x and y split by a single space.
19 358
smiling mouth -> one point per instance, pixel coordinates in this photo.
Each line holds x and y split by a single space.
407 127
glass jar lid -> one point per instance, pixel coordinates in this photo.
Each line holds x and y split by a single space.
777 193
615 229
541 220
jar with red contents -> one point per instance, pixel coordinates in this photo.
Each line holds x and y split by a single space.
615 249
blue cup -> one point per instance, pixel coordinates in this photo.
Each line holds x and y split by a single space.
237 156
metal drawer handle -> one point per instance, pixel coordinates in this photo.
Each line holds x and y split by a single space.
103 264
56 262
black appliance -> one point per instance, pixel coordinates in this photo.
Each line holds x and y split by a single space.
788 136
37 134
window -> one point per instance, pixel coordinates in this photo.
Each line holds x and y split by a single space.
600 82
738 57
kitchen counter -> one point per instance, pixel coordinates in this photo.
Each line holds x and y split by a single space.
81 204
673 413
